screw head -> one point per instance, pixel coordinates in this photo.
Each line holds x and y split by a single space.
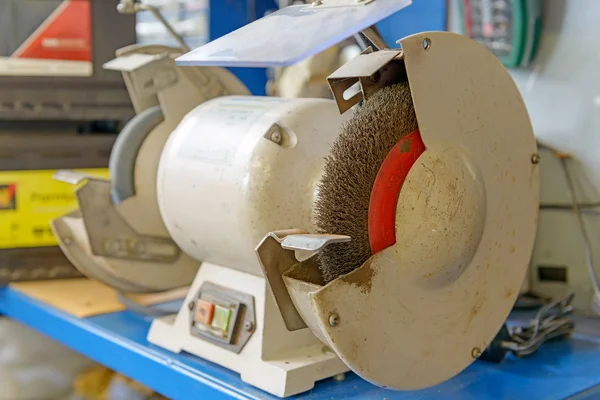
276 136
191 305
248 326
334 320
535 158
476 352
426 44
339 377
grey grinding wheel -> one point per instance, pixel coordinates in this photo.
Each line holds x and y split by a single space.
342 205
121 163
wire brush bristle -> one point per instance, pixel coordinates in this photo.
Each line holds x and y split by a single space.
342 205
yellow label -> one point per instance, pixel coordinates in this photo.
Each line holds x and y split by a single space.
29 200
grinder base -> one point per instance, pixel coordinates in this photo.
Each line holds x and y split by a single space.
272 358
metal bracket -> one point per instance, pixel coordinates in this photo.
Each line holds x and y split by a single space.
109 234
146 73
374 38
311 242
73 177
369 70
276 256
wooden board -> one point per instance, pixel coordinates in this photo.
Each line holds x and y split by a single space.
85 298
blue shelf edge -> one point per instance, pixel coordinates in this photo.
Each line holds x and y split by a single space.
118 341
153 368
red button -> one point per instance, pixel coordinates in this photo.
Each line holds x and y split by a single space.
204 312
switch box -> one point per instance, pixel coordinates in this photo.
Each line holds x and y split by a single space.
222 316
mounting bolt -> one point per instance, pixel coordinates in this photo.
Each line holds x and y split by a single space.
191 305
248 326
317 3
276 136
426 44
334 320
535 159
476 353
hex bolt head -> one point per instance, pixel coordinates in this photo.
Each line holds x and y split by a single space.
334 320
276 136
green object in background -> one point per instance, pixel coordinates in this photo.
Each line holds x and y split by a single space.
509 28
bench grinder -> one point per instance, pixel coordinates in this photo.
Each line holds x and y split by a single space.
117 230
399 218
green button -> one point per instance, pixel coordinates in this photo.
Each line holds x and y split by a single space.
221 318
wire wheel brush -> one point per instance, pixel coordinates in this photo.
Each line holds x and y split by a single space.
342 205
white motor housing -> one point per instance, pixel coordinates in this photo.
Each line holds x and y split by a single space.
238 167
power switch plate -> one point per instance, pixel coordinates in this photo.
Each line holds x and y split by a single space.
223 316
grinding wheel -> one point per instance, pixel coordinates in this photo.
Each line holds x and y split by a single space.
451 215
350 171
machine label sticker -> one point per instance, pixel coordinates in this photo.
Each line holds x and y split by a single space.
8 194
49 38
215 135
29 200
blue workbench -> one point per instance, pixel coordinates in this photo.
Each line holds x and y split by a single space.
560 370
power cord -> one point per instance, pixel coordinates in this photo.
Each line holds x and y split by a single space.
589 260
577 207
550 323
